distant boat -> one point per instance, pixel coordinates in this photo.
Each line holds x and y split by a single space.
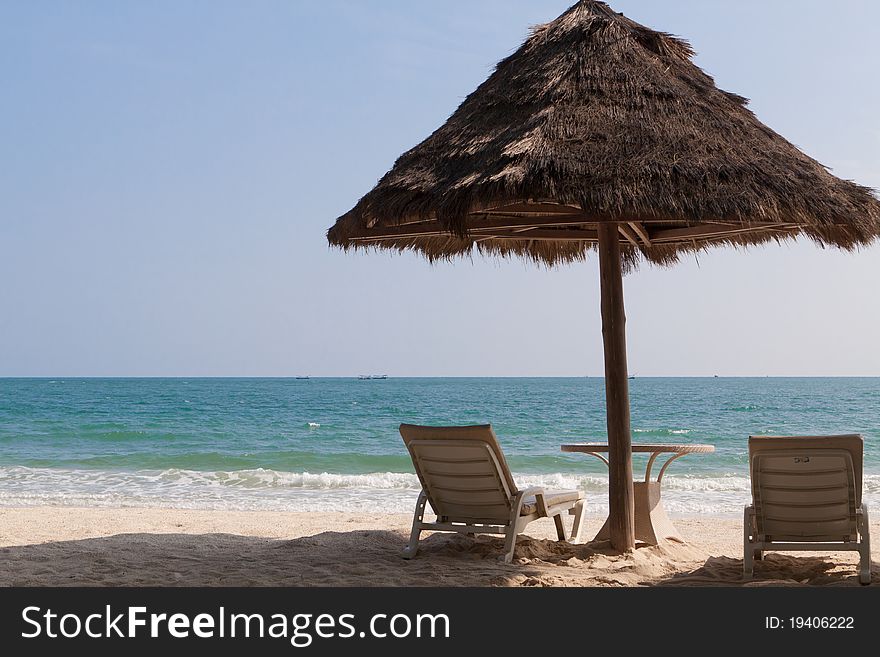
369 377
301 377
632 377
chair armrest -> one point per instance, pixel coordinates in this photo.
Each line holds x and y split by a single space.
520 496
538 492
749 525
862 516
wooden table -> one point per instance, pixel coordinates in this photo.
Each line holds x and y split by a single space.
652 525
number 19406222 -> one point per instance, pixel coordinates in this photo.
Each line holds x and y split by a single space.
810 623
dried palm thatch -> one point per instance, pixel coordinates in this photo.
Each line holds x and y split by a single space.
597 118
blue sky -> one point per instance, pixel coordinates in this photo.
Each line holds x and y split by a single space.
170 168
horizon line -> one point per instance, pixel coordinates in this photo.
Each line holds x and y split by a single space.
299 377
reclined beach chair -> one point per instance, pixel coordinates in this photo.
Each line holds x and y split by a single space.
806 495
466 480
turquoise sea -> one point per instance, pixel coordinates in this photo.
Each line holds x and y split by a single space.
332 444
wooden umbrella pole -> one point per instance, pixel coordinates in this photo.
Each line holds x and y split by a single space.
620 485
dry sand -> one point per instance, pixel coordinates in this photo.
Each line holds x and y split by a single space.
51 546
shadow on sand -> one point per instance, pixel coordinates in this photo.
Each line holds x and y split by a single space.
773 570
354 558
372 558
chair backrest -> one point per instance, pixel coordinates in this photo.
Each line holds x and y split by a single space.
806 488
463 471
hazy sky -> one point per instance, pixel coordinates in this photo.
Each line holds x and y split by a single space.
169 170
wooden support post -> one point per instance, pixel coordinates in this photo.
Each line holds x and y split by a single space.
621 522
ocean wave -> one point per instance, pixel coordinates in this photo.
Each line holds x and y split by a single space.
258 478
256 489
728 482
663 432
379 492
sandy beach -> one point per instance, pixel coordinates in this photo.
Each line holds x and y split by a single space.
55 546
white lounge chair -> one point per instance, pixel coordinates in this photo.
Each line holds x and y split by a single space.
806 495
467 482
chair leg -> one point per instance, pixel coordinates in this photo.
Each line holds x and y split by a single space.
864 548
515 524
864 566
560 527
748 548
577 528
510 543
412 547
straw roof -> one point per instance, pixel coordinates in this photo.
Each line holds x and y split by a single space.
597 118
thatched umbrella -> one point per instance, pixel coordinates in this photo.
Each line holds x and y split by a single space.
599 133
